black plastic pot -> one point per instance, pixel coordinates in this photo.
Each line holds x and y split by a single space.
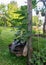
17 47
43 14
37 12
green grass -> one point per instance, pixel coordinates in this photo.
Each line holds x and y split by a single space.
6 37
38 43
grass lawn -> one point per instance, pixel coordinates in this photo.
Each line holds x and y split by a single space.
38 43
6 37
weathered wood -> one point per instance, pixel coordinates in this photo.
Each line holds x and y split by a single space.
25 50
29 2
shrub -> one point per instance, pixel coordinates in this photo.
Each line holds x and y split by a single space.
39 53
39 57
0 30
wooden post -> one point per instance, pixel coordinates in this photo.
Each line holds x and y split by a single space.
29 2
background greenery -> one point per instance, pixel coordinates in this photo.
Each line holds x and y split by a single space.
13 24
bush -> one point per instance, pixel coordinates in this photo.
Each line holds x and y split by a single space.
0 30
39 52
39 57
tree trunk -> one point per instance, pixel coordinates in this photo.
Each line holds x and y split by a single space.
29 2
44 25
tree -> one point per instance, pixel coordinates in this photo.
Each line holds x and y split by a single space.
2 16
21 21
8 13
12 7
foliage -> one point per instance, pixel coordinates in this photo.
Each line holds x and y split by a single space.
33 3
12 7
39 51
22 22
7 13
0 30
2 7
39 58
34 21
